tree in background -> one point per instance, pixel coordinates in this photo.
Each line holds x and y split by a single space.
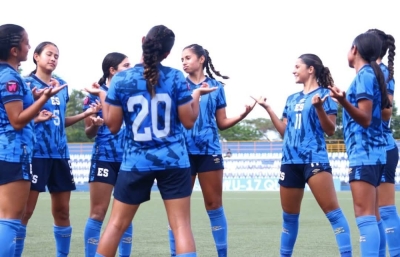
76 132
248 130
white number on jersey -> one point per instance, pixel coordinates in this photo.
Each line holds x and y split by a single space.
297 123
56 118
144 112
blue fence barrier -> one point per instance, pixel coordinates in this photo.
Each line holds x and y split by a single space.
238 184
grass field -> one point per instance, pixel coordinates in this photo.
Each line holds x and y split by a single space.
254 220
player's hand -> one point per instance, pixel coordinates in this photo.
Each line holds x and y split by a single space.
262 100
317 101
337 94
54 82
94 108
205 89
94 89
44 115
97 121
248 109
50 91
37 93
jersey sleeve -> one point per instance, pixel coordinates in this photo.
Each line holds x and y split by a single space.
183 92
12 88
112 93
221 99
365 86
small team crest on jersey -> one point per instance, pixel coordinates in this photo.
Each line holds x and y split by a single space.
86 100
12 86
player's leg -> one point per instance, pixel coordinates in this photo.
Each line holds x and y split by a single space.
120 219
386 202
14 190
363 182
193 164
175 188
100 195
321 184
40 177
102 178
210 174
291 190
61 183
131 189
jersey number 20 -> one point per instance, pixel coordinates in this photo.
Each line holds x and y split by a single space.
146 135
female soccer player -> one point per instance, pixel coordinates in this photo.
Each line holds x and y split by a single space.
51 165
363 136
154 102
202 141
17 137
106 161
390 226
308 115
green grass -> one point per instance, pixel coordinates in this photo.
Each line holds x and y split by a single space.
254 220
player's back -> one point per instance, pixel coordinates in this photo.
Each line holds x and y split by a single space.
360 141
154 138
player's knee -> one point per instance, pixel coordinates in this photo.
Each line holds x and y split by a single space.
61 214
213 204
329 206
98 213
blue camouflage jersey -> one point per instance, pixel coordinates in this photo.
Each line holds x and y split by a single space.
107 147
15 145
387 132
51 134
304 138
153 137
364 146
203 138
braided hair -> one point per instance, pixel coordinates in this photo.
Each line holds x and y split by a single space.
157 43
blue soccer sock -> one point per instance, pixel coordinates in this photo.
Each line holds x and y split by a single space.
391 224
125 245
219 228
92 236
63 240
20 240
341 229
289 233
382 236
98 255
369 235
187 255
171 242
8 232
